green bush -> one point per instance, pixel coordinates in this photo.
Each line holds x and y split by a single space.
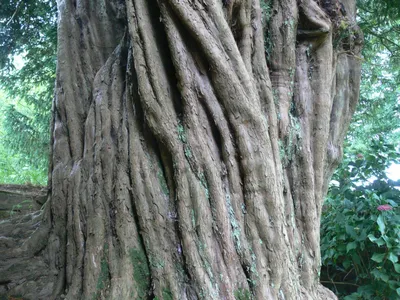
360 227
28 166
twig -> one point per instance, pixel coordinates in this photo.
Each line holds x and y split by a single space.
15 12
348 273
344 283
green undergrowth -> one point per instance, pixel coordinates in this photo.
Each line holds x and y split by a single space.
360 227
17 166
13 169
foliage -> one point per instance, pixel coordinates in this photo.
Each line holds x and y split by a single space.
12 171
18 166
360 228
379 108
27 72
380 22
27 27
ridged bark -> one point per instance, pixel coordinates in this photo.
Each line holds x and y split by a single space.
192 145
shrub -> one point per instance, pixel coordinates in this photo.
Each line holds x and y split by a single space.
360 228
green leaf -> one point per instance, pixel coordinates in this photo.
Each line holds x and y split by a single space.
380 275
393 258
354 296
398 291
347 264
387 241
397 268
356 259
381 224
351 246
350 231
378 241
392 203
378 257
393 284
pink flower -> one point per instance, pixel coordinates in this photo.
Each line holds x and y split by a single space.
384 207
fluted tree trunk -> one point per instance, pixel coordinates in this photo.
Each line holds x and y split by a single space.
192 145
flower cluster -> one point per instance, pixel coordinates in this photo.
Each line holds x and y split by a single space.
384 207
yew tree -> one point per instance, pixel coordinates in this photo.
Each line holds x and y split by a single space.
192 144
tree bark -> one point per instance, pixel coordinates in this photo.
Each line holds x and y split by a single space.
192 145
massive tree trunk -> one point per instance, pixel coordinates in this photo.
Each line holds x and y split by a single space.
192 145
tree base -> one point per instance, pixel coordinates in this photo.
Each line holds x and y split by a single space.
24 270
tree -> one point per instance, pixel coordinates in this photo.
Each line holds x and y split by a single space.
28 30
191 153
378 109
